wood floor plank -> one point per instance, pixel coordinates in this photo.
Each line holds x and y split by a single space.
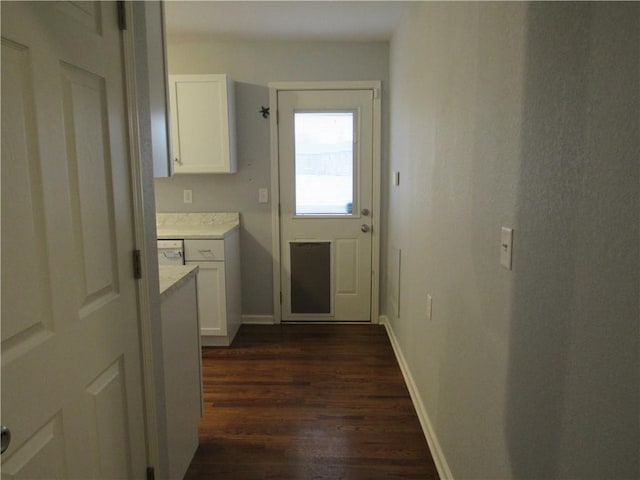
308 402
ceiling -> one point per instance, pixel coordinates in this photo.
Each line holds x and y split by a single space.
289 20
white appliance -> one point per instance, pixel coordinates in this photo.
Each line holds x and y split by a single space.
170 252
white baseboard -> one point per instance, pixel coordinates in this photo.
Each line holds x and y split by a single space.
438 456
257 320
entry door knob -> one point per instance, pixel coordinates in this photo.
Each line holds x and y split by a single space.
365 228
5 438
365 212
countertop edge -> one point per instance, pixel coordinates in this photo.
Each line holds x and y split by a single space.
177 232
172 277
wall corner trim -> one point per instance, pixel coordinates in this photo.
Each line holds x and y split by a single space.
258 320
434 445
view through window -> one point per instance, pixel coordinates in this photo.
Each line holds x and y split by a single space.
324 163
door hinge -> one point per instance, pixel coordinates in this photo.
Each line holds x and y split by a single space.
277 117
122 16
137 265
151 473
279 213
280 298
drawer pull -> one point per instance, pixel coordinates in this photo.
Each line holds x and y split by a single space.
204 250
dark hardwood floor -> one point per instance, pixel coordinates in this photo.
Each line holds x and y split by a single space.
308 402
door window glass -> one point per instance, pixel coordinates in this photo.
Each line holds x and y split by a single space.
324 163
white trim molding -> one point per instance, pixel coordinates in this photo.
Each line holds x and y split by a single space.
376 87
155 431
275 203
258 320
434 445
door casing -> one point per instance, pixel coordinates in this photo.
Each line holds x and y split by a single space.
135 45
274 88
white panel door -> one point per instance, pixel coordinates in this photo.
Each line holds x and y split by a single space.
71 365
325 141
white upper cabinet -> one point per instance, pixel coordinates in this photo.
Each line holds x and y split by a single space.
203 123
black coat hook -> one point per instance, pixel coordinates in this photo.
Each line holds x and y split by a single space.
264 111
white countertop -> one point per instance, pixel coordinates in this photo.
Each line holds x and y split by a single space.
172 277
193 232
214 225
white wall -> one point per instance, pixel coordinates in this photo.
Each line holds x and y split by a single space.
253 65
522 115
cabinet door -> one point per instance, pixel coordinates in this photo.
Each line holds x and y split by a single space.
212 302
203 123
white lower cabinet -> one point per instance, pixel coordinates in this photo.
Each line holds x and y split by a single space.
182 374
219 306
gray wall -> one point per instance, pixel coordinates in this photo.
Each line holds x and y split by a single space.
253 65
522 115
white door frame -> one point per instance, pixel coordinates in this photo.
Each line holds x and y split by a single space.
276 87
148 292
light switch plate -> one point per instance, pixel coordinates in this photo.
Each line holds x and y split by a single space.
506 247
187 196
263 195
429 306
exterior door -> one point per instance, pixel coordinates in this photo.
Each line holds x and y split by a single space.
71 363
325 143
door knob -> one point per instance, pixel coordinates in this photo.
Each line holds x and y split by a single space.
5 438
365 228
365 212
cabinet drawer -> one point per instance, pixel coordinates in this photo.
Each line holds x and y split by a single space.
204 250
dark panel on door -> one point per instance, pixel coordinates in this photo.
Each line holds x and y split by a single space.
310 277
